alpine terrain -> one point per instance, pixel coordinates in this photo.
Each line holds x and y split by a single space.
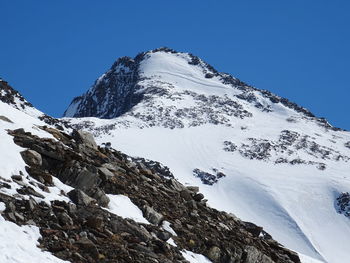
63 198
251 153
164 159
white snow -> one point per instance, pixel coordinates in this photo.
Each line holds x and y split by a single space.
19 244
194 258
167 227
121 205
171 242
2 207
306 259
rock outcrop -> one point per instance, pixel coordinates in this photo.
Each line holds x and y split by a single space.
82 231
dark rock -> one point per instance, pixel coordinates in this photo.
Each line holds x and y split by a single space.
194 189
40 175
164 235
105 173
253 255
152 216
95 222
100 196
17 177
31 204
78 197
198 197
32 157
186 195
27 190
3 118
214 254
343 204
85 138
64 219
87 246
252 228
208 178
85 180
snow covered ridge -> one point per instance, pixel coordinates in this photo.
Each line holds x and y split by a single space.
12 97
166 88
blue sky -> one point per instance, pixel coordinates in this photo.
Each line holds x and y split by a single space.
52 51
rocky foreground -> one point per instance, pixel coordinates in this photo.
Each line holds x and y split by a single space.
83 231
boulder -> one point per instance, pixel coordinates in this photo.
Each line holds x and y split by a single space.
214 254
32 158
64 219
87 246
101 198
78 197
152 216
105 173
254 255
198 197
86 138
86 180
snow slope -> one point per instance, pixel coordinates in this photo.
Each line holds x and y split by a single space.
23 248
283 167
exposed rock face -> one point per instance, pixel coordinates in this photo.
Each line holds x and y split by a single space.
343 204
286 148
12 97
83 232
208 178
116 89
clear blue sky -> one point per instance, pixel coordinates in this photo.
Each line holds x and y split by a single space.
52 51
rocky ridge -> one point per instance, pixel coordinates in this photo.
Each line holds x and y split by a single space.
82 231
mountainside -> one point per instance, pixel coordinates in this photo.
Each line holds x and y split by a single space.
63 198
252 153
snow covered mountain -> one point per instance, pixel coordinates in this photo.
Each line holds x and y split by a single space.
63 198
251 152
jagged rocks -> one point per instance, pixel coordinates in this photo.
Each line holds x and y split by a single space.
152 216
343 204
229 146
32 158
287 148
208 178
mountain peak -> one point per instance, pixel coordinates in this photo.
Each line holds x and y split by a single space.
124 84
176 89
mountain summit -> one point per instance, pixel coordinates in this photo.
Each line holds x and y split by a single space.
251 152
